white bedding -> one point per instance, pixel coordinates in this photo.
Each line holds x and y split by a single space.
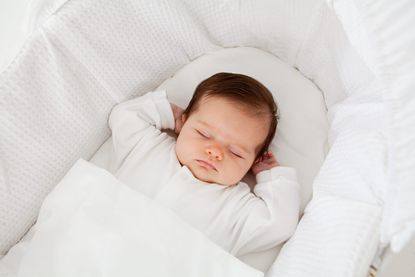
298 119
93 225
12 31
56 95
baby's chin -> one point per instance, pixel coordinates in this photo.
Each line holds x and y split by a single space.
206 175
209 177
203 174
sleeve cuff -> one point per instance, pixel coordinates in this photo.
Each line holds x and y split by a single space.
275 172
164 109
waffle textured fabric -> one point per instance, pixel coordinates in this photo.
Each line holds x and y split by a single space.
88 55
382 33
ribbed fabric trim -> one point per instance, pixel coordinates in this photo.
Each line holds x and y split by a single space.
335 237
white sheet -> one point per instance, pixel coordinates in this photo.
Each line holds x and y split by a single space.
93 225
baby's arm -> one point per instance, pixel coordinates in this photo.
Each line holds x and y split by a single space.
136 120
270 216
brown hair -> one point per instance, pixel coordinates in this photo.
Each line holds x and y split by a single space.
243 90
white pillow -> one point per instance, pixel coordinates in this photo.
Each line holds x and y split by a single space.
302 131
301 139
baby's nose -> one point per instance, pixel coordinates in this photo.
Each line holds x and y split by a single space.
214 153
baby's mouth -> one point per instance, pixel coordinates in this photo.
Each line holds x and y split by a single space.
206 164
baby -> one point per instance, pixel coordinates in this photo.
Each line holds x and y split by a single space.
223 134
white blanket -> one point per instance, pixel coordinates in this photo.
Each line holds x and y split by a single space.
93 225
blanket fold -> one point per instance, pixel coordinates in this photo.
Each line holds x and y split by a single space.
93 225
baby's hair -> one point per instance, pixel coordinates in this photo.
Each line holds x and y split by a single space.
242 90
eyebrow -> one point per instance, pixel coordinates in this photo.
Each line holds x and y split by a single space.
237 145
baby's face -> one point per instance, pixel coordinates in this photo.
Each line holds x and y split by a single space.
219 142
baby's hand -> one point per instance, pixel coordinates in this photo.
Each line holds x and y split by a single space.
265 162
177 113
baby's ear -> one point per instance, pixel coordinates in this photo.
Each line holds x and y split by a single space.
183 118
257 160
260 158
179 124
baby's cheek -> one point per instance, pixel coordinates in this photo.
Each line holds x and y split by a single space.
180 151
244 165
185 148
238 172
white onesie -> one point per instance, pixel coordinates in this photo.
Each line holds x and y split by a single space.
238 220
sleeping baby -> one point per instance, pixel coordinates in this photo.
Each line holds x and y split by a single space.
223 134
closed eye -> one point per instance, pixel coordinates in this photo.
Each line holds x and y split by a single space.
236 154
202 134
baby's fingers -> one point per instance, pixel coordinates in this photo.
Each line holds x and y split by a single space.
269 158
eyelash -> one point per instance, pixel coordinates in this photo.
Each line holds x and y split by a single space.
236 154
203 135
206 137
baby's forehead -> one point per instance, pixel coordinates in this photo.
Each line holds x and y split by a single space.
233 120
221 107
246 108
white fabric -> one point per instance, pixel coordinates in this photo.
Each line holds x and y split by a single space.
347 197
38 11
90 54
238 220
329 242
93 225
306 118
388 25
12 31
135 48
298 119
